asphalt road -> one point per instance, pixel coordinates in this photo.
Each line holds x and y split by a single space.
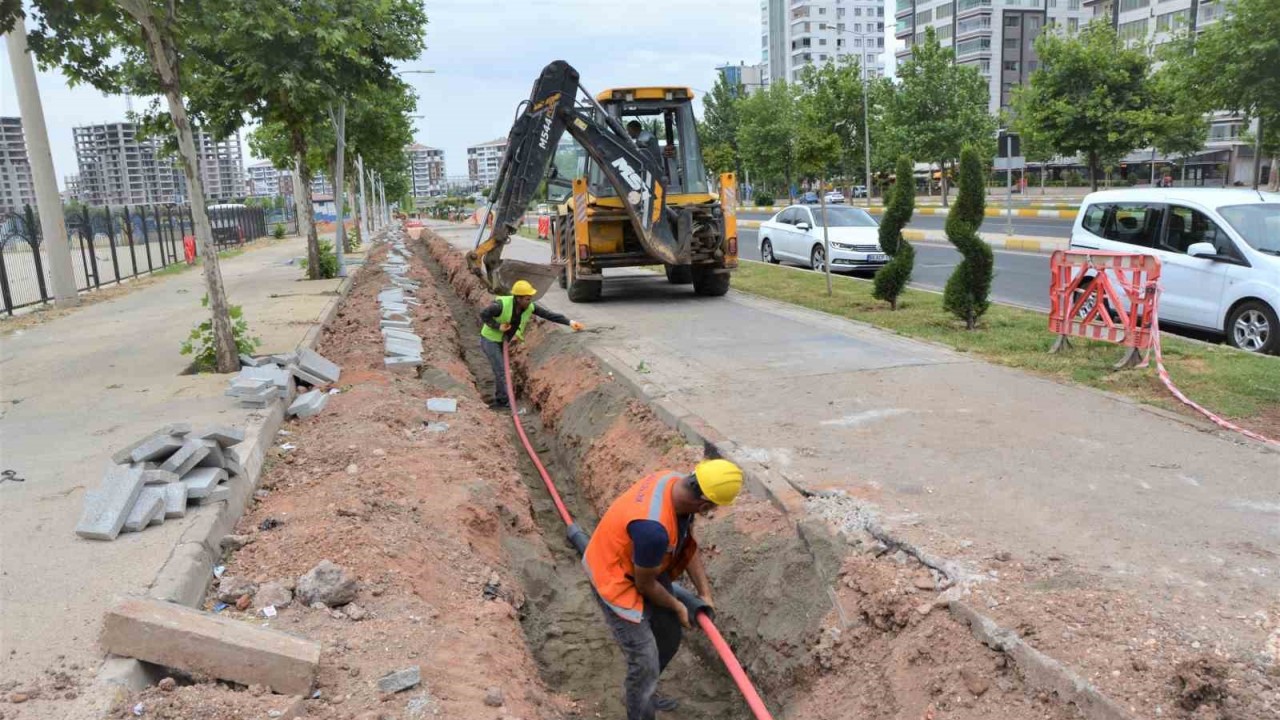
1020 279
1037 227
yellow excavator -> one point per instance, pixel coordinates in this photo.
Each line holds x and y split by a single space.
631 190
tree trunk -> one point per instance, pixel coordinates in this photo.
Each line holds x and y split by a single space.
1273 182
164 61
942 172
1093 170
306 211
339 188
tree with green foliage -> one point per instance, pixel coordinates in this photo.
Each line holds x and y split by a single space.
719 128
831 102
1232 65
1180 122
939 108
968 288
767 133
900 205
1089 97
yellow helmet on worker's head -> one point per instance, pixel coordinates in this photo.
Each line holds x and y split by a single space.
719 480
522 287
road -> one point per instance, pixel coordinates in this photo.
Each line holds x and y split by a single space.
1020 279
1037 227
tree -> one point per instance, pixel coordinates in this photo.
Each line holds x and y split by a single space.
1180 123
1231 64
900 205
831 101
767 133
719 129
140 47
940 107
968 288
1090 96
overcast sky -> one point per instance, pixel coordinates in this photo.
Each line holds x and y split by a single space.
487 53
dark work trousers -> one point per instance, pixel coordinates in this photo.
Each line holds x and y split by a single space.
493 351
648 647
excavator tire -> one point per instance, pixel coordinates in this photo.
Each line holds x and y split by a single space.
710 283
583 291
679 274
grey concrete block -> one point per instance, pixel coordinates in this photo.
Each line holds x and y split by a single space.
308 404
201 481
252 361
186 457
232 465
175 500
248 386
221 492
157 447
225 435
403 363
442 405
107 508
150 503
400 680
307 377
395 316
285 358
215 458
273 373
405 335
318 365
395 325
156 476
125 455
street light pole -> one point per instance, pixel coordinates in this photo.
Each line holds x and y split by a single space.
866 118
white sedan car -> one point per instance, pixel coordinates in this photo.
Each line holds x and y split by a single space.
795 235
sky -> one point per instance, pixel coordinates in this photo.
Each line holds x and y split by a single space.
486 55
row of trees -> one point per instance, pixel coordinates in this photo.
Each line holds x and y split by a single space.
1099 97
296 70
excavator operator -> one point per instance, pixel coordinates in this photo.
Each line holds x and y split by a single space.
505 319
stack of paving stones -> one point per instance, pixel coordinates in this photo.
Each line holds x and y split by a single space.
157 477
267 377
403 347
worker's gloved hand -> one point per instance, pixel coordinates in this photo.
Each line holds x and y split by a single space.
505 327
577 326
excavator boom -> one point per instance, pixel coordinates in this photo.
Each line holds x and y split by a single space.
552 109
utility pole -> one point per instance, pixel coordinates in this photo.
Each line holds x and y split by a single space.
48 202
364 213
339 119
866 137
1008 178
826 239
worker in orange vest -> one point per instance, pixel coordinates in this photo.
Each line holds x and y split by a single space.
643 543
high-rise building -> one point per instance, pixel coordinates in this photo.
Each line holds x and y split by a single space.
71 188
483 161
119 166
749 77
320 184
426 170
17 188
995 36
265 180
798 33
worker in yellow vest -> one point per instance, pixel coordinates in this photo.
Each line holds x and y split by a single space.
643 543
506 318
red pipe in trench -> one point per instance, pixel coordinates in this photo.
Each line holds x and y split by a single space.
579 538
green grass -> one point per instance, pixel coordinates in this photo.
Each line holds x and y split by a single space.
1227 381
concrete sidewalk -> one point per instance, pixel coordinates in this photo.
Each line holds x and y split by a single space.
960 457
76 389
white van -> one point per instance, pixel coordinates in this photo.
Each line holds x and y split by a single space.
1219 253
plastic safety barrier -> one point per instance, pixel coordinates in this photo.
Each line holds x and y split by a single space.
544 227
1104 296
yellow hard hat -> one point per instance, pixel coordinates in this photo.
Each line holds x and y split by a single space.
719 480
522 287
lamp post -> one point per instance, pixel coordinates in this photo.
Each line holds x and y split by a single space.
866 116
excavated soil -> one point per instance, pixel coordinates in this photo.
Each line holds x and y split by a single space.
823 630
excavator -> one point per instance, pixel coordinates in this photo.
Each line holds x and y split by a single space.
630 190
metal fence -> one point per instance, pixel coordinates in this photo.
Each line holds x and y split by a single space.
109 245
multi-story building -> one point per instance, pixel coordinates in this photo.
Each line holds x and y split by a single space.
17 188
995 36
798 33
320 184
483 161
265 180
119 166
749 77
426 170
70 188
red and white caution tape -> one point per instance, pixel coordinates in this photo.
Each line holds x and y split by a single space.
1164 378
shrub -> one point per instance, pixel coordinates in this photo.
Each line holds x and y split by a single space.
764 199
892 279
968 288
1074 179
353 240
328 261
200 342
277 232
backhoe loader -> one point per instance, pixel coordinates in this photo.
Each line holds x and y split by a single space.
631 190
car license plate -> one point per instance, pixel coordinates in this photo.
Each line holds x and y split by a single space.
877 257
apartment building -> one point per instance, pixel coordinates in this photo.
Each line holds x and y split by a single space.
17 188
995 36
749 77
483 161
70 188
426 170
320 184
798 33
118 166
265 180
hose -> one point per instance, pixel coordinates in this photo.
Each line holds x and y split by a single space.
578 537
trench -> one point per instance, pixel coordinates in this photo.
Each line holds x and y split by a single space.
569 639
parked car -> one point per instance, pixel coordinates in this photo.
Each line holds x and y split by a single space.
1219 252
795 235
859 191
835 197
809 198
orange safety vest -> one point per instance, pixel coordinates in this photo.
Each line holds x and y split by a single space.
609 557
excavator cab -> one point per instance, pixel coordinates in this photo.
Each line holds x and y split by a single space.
667 132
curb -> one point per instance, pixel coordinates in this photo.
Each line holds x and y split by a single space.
1020 243
184 577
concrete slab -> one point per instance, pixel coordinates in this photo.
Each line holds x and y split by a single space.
403 363
219 493
273 373
156 448
442 405
405 335
306 377
252 361
186 457
107 508
175 500
124 455
319 366
156 476
201 481
149 504
308 404
225 435
198 642
395 324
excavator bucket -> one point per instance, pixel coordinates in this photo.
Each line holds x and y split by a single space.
509 271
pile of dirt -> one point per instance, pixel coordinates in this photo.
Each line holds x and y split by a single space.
421 508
